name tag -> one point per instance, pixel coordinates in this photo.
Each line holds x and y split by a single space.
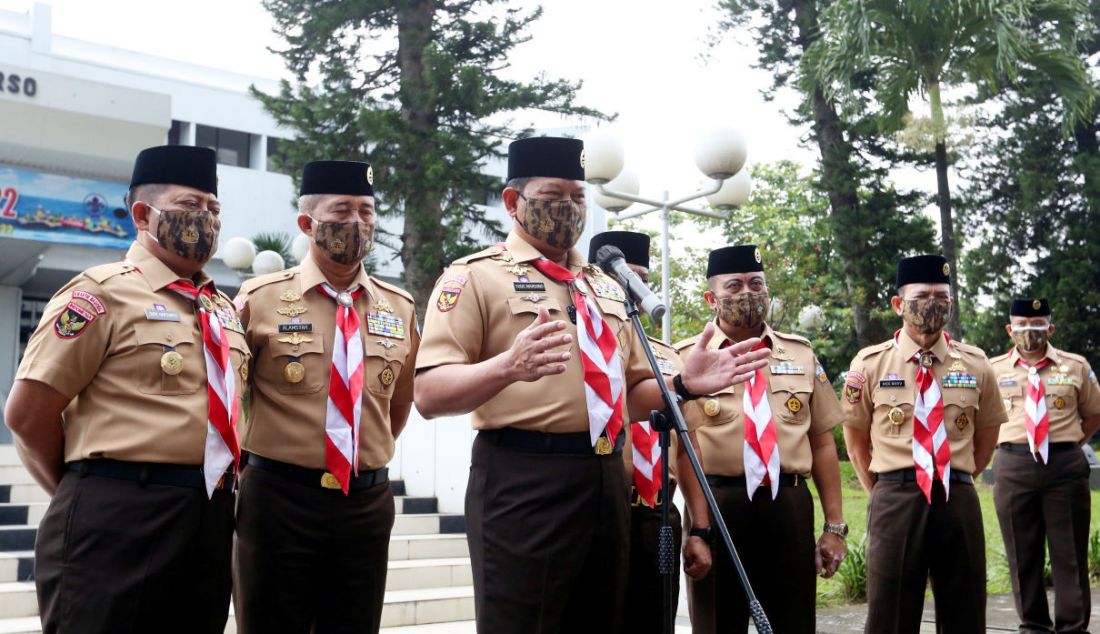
892 383
1007 383
296 327
154 314
529 287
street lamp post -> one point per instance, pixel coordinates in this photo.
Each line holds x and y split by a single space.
720 156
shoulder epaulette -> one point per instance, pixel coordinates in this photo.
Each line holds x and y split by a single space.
690 341
1000 356
1074 357
392 288
875 349
271 278
966 347
103 272
792 337
480 255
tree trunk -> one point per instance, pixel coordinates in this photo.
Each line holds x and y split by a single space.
943 198
424 232
840 180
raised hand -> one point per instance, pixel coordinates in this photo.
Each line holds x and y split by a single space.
707 371
529 358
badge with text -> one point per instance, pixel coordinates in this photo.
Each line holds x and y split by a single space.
72 322
296 327
93 301
160 312
529 287
385 324
448 297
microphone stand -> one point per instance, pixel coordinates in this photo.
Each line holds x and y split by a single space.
664 422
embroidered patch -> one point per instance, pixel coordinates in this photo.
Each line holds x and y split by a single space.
459 280
821 376
960 379
385 324
72 322
606 288
854 378
95 302
853 393
448 298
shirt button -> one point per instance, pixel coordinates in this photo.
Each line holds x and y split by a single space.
295 348
168 336
893 398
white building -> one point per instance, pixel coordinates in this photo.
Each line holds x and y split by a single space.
73 116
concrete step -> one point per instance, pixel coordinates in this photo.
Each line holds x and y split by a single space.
413 574
19 607
404 547
12 514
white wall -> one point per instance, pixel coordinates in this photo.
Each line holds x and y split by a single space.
433 458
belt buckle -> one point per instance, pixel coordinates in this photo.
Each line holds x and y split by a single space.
603 446
329 481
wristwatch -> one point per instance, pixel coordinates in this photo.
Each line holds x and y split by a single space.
681 391
706 533
840 530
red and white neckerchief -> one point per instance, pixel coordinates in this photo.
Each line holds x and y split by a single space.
345 389
1036 420
761 452
646 456
931 450
223 449
603 374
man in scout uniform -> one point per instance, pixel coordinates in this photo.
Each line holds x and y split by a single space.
1042 476
760 443
331 390
125 408
642 458
537 344
922 418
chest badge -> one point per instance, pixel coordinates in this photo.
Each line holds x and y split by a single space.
603 446
387 376
171 363
794 405
292 311
962 422
386 343
1007 403
294 372
385 324
290 296
1059 402
897 417
296 339
712 407
779 353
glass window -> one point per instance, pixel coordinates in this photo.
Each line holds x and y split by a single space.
174 132
276 151
233 147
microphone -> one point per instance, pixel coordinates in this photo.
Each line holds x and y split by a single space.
611 260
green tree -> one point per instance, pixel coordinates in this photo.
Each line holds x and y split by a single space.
415 87
917 47
850 171
1036 210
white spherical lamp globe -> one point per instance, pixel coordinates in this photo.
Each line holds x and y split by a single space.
603 157
721 153
299 246
267 262
734 193
627 183
238 253
811 318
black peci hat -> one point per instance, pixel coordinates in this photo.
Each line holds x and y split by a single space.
552 157
743 258
634 245
352 178
923 269
1029 307
177 165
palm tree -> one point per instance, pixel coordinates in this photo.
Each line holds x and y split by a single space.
924 46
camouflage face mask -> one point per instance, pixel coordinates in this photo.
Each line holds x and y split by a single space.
746 310
927 315
343 242
1030 338
558 223
192 235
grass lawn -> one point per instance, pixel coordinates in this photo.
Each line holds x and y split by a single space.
829 591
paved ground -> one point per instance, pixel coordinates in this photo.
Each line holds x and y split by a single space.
843 620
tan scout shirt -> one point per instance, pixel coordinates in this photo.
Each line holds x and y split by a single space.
289 319
100 343
882 378
1071 394
670 364
803 404
484 300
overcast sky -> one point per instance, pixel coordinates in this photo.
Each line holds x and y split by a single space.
638 58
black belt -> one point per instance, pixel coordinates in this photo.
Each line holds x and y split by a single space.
785 480
636 498
177 475
579 443
910 475
318 477
1023 448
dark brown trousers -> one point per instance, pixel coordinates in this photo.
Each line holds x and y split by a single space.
775 540
909 539
118 557
644 608
548 540
310 559
1047 505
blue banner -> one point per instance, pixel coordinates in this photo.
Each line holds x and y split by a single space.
52 208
